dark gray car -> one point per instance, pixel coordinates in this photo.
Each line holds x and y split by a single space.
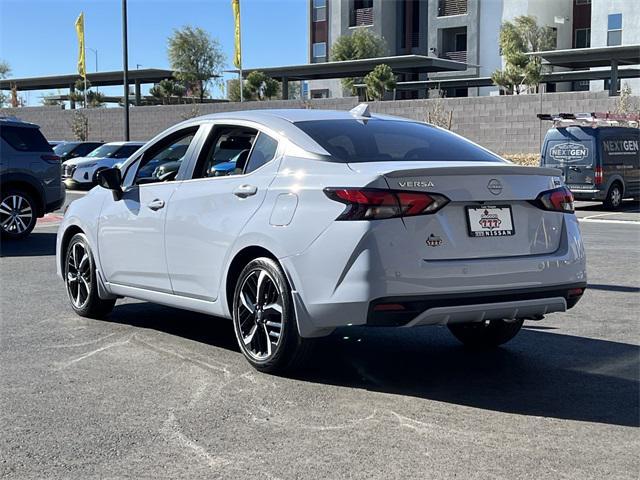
30 178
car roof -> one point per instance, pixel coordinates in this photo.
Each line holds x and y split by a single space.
591 131
282 122
16 122
291 115
125 143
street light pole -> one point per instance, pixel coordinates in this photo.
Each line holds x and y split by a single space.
95 52
125 69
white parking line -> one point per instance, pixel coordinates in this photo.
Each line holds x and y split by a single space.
604 214
602 220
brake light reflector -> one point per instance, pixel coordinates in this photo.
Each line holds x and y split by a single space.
376 204
50 158
556 200
598 176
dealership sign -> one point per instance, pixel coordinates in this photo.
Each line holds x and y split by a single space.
569 152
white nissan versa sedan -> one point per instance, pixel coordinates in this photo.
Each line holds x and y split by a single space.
326 219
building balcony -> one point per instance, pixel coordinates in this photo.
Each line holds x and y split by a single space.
447 8
459 56
361 17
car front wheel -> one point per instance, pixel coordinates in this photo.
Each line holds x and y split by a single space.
17 214
264 319
81 281
487 334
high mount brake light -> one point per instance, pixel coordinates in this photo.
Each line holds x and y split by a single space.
376 204
556 200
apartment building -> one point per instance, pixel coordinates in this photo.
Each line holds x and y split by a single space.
613 22
466 31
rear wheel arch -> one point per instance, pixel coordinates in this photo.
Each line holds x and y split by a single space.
240 260
28 187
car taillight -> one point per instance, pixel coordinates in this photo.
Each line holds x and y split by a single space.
376 204
598 176
50 158
557 200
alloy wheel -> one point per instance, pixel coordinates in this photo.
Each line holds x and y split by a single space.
16 214
616 197
78 275
259 314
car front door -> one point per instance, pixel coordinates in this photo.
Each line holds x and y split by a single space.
207 213
131 229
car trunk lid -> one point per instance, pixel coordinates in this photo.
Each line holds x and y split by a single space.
490 213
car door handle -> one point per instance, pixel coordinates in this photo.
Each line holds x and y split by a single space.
244 191
157 204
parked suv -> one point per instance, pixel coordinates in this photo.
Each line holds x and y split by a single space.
82 171
30 178
68 150
601 163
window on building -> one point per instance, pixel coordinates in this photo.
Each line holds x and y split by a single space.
320 93
614 29
554 35
319 10
461 42
451 7
360 13
583 2
582 38
580 86
320 50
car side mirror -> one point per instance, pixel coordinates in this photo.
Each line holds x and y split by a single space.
111 179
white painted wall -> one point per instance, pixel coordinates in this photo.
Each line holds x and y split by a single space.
630 10
489 59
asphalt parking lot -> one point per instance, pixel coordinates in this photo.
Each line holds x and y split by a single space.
155 392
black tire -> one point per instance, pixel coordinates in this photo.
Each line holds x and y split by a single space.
613 200
84 272
18 214
290 351
487 334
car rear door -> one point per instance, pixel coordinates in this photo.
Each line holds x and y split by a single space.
208 212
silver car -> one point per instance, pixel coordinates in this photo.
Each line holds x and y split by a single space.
327 219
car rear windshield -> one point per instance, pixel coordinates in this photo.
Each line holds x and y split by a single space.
354 141
25 139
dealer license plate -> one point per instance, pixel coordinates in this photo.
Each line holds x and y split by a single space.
490 221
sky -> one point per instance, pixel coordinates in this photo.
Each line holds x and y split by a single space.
38 38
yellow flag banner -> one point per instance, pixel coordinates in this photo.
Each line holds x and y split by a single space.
82 70
237 53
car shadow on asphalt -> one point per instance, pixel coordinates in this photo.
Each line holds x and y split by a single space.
37 244
539 373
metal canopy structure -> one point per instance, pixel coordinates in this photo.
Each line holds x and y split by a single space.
554 77
414 64
97 79
594 57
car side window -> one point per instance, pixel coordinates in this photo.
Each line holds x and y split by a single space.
162 161
263 152
225 152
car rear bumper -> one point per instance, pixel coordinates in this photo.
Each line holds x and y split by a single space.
337 281
587 193
531 304
55 205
